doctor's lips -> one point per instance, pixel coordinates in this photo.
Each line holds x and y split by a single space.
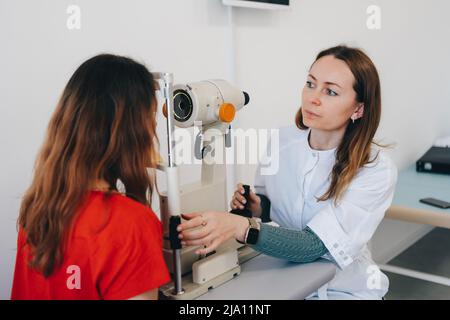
309 114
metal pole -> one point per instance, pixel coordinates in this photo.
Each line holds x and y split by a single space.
173 194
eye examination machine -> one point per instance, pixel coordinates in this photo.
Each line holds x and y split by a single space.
209 106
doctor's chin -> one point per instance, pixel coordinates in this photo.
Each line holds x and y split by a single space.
224 157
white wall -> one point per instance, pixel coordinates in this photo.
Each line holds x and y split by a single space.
273 51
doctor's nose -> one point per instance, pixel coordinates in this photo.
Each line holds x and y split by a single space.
314 100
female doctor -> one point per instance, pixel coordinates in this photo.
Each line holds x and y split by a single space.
332 188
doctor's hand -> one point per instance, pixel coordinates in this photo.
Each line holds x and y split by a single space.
210 229
254 201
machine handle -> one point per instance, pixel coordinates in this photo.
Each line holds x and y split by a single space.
175 242
244 212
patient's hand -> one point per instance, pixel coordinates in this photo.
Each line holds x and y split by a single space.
211 229
254 201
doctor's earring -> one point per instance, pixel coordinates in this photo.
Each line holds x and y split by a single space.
359 113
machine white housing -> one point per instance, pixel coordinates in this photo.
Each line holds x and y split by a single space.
214 104
201 101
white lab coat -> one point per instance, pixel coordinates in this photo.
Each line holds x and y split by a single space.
345 228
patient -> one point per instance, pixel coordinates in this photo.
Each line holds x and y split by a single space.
79 237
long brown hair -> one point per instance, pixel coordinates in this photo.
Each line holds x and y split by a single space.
355 147
103 128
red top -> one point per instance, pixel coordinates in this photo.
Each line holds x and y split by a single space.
114 252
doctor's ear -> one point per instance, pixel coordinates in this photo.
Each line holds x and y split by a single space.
358 113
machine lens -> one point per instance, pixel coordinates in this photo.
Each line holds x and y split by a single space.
182 105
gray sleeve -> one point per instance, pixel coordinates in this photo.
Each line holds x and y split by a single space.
293 245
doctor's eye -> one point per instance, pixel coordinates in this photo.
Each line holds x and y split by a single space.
309 84
331 92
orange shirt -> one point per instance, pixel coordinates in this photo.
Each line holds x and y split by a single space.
114 252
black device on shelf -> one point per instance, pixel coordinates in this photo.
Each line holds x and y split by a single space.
436 203
435 160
